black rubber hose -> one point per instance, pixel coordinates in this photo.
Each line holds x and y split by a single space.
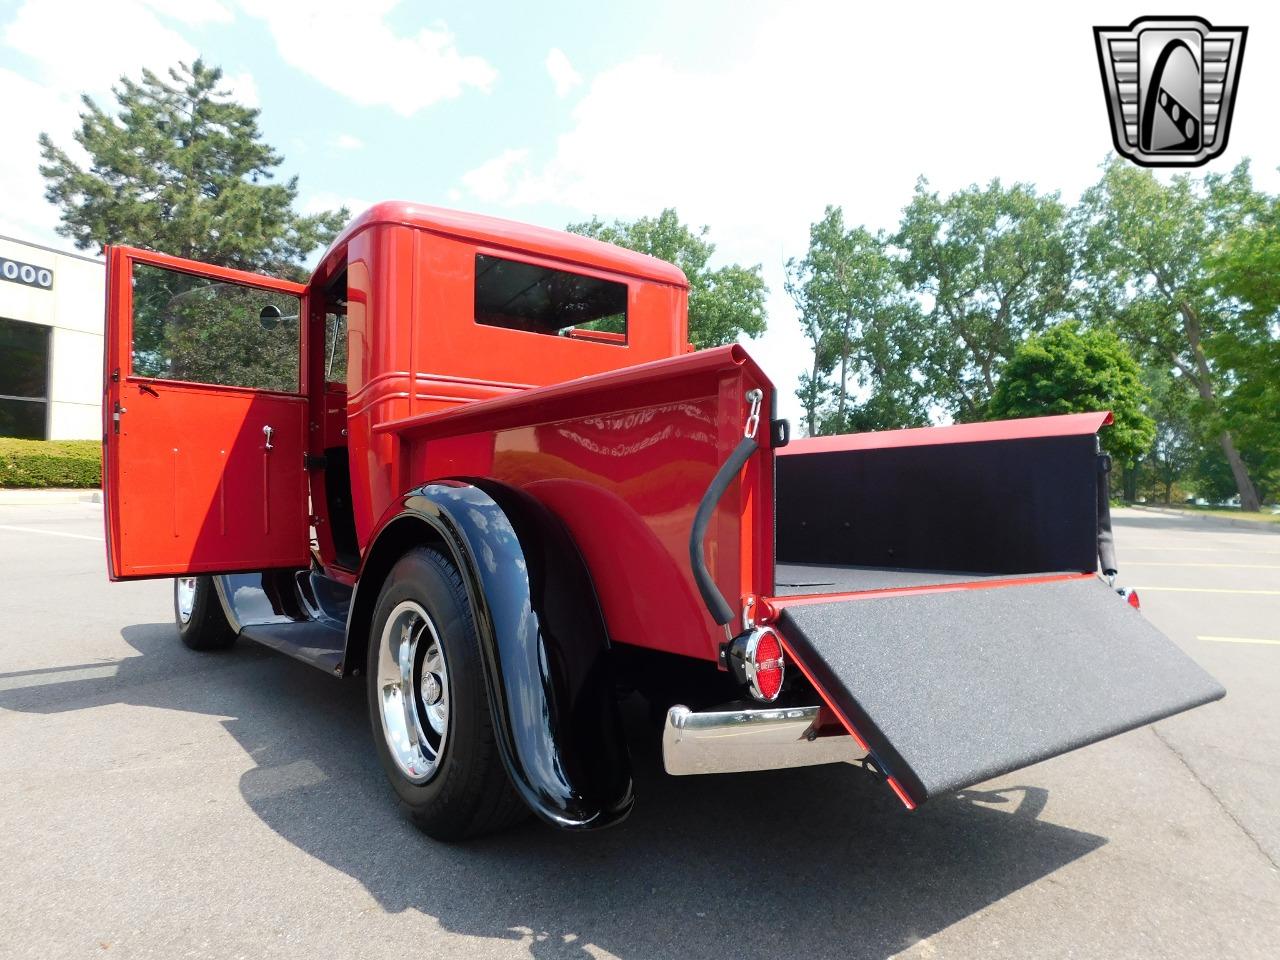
711 595
1106 542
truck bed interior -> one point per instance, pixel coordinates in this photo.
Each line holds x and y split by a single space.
949 688
802 579
911 514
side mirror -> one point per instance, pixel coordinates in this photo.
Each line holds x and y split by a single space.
270 317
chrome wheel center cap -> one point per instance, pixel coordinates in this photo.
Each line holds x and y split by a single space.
431 688
413 691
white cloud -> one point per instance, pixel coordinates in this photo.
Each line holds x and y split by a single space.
192 13
108 40
242 88
29 108
370 64
323 201
492 180
345 141
827 106
563 76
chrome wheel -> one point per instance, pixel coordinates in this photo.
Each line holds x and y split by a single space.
186 595
413 691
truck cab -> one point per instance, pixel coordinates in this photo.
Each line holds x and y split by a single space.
478 464
412 310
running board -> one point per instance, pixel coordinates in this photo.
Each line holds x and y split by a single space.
300 613
951 686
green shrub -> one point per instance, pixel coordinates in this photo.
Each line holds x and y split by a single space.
50 463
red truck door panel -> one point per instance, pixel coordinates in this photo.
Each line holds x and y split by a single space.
204 425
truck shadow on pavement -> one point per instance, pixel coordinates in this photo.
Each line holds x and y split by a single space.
820 862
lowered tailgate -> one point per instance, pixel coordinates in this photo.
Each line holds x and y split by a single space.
949 687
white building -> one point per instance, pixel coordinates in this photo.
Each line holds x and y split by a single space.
51 328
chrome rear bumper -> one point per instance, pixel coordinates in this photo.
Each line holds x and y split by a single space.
739 741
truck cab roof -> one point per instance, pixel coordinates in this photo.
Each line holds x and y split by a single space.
508 234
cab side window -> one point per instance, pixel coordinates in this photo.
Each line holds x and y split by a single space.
537 299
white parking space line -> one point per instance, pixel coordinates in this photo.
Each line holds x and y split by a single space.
1168 549
1262 640
51 533
1192 563
1151 589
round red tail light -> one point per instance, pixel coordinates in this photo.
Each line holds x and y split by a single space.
755 658
766 665
1130 597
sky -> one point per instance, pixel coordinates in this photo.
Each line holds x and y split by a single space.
749 117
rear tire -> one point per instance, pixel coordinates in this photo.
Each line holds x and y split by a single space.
429 705
197 611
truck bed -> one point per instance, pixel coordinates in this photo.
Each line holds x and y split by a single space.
800 579
937 586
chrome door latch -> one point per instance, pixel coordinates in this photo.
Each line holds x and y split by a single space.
268 433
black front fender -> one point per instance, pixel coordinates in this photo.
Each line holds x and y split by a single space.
544 645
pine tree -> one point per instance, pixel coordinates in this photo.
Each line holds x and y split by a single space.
181 168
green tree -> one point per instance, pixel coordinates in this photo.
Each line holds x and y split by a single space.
1213 479
1068 369
1246 346
723 302
1147 251
992 265
1177 446
181 168
863 329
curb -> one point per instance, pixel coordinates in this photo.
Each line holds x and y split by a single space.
12 496
1264 525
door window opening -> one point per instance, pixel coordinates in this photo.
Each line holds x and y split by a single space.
202 330
335 331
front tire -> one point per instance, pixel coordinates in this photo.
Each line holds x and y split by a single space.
202 624
429 706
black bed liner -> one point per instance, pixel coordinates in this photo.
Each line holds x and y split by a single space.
953 687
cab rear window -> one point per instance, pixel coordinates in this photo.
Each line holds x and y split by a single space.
558 303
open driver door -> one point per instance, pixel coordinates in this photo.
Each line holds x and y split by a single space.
204 420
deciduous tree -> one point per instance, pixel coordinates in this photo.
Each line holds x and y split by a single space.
723 301
1147 252
863 329
1246 347
1068 369
1176 446
992 265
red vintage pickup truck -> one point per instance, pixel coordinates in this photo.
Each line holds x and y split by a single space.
478 464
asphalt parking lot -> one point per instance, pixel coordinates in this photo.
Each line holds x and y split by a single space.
156 802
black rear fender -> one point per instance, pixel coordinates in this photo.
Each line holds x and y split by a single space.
542 636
